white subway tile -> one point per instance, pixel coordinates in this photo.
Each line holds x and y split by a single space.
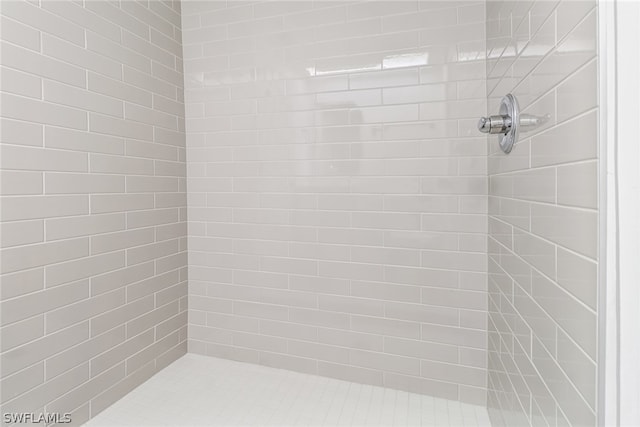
50 23
580 138
34 63
118 127
572 228
17 233
20 83
80 269
63 228
21 133
81 57
81 44
38 302
380 8
74 140
82 99
119 17
147 49
72 183
38 159
23 257
15 32
118 89
84 18
29 207
381 79
17 107
21 182
383 326
120 202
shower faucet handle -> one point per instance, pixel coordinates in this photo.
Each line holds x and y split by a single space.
508 122
502 124
495 124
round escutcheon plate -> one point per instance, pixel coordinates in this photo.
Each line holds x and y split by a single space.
509 107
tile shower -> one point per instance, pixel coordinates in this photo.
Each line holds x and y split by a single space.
298 185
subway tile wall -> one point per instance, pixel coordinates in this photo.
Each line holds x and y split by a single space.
543 216
93 201
337 189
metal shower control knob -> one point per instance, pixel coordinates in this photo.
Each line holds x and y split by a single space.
504 124
495 124
509 122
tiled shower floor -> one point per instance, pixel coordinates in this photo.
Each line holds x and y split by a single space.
199 390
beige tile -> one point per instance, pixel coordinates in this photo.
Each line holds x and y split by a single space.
266 311
44 393
578 185
83 352
78 122
35 351
576 319
21 283
465 261
454 298
421 276
22 208
151 285
119 352
115 279
16 32
453 335
88 389
43 301
20 382
426 386
85 267
541 323
33 62
579 142
391 327
83 310
578 276
18 233
259 342
317 351
568 399
575 229
21 182
112 394
293 363
152 251
350 373
62 228
21 108
453 373
109 320
104 203
385 291
538 252
421 349
151 319
385 362
422 313
22 332
580 369
350 305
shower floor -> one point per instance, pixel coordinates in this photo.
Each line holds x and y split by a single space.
200 390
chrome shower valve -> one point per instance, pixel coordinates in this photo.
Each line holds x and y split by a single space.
494 124
509 122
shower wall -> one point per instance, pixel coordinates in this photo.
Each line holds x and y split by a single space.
93 202
543 216
337 189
